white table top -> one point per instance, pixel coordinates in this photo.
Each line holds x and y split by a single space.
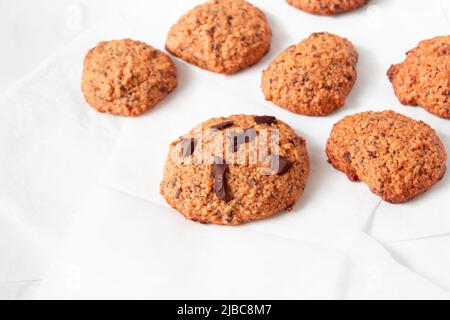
31 31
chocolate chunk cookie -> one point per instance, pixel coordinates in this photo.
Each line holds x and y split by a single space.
235 170
424 77
313 77
222 36
327 7
397 157
126 77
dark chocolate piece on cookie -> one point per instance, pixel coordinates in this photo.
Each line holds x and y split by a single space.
222 125
265 119
219 172
284 165
188 146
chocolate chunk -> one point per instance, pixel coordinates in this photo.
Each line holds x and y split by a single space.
371 154
245 137
290 207
162 88
219 171
222 125
188 146
265 119
348 157
297 141
279 166
284 165
229 217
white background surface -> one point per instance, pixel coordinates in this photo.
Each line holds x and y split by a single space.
409 259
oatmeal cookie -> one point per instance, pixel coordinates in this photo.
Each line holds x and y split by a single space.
126 77
327 7
222 36
313 77
397 157
424 77
235 170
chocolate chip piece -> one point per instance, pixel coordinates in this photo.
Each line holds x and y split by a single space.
188 146
162 88
290 207
222 125
297 141
265 119
284 165
371 154
229 217
252 182
219 171
177 193
348 157
279 166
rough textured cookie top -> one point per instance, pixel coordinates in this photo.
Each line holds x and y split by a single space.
223 36
234 170
327 7
126 77
424 77
397 157
313 77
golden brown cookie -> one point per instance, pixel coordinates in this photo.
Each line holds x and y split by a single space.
424 77
126 77
222 36
235 170
313 77
327 7
397 157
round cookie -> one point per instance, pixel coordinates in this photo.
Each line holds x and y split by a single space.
313 77
327 7
222 36
424 77
234 170
397 157
126 77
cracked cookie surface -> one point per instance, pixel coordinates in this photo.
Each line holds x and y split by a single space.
327 7
423 78
313 77
126 77
218 172
397 157
222 36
